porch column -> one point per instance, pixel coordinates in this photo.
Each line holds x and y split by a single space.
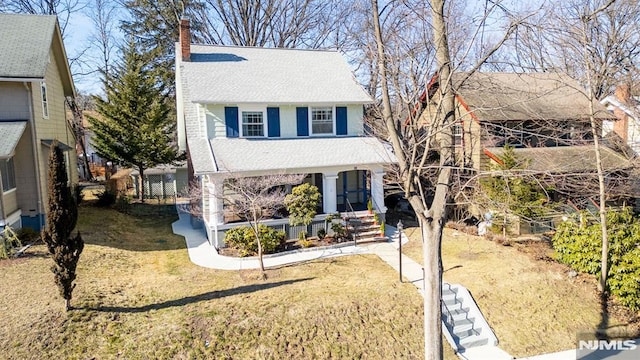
216 212
329 196
377 190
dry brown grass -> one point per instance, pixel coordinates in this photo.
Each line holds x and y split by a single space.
529 300
139 297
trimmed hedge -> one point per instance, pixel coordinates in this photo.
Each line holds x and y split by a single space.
579 245
243 239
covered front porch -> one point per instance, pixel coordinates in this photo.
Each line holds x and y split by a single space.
348 171
347 192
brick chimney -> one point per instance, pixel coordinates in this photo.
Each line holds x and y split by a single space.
185 39
621 126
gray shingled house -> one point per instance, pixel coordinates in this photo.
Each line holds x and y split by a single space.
34 81
245 111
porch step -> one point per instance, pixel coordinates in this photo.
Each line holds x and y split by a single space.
364 228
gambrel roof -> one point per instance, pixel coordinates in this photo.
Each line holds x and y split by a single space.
231 74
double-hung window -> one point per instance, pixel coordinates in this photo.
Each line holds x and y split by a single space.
322 120
457 134
45 102
252 123
8 174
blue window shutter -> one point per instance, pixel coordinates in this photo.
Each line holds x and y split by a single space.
302 120
273 121
341 120
231 121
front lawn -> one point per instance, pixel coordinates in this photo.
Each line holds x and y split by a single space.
139 297
529 300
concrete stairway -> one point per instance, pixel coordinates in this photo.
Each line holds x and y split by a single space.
364 229
463 324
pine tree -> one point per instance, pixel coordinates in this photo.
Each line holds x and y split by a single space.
154 24
134 127
62 215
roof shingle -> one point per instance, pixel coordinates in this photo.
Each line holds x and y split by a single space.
10 133
568 159
239 155
25 44
228 74
525 96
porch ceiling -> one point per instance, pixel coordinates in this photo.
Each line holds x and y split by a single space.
250 155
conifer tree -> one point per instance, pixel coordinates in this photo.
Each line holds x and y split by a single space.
62 215
134 127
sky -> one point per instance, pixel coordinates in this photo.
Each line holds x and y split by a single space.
80 29
77 41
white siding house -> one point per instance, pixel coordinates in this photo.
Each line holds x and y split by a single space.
245 111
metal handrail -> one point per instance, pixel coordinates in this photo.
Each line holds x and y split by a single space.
352 212
445 309
353 215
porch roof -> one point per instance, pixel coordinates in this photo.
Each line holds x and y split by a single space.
568 159
10 133
272 155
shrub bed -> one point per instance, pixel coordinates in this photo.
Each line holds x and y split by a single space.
243 239
578 243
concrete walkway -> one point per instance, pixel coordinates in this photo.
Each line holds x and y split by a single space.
203 254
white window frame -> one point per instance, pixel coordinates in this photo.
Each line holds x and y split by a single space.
333 120
261 110
458 134
45 100
12 174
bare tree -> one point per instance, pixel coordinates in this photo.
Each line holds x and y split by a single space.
254 199
423 141
276 23
595 41
64 9
104 15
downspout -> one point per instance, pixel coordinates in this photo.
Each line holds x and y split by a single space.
36 155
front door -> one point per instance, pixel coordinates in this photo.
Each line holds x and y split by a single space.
352 189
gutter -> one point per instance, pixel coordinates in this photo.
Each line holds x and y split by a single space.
19 79
34 144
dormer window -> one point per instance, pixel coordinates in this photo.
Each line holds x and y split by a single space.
45 103
252 123
322 120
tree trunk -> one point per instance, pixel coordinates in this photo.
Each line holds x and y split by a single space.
604 267
141 184
436 215
67 304
78 129
256 230
431 220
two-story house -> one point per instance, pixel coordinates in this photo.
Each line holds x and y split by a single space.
34 81
545 116
246 111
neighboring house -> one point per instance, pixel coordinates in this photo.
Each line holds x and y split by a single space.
34 81
245 111
544 116
626 124
526 111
